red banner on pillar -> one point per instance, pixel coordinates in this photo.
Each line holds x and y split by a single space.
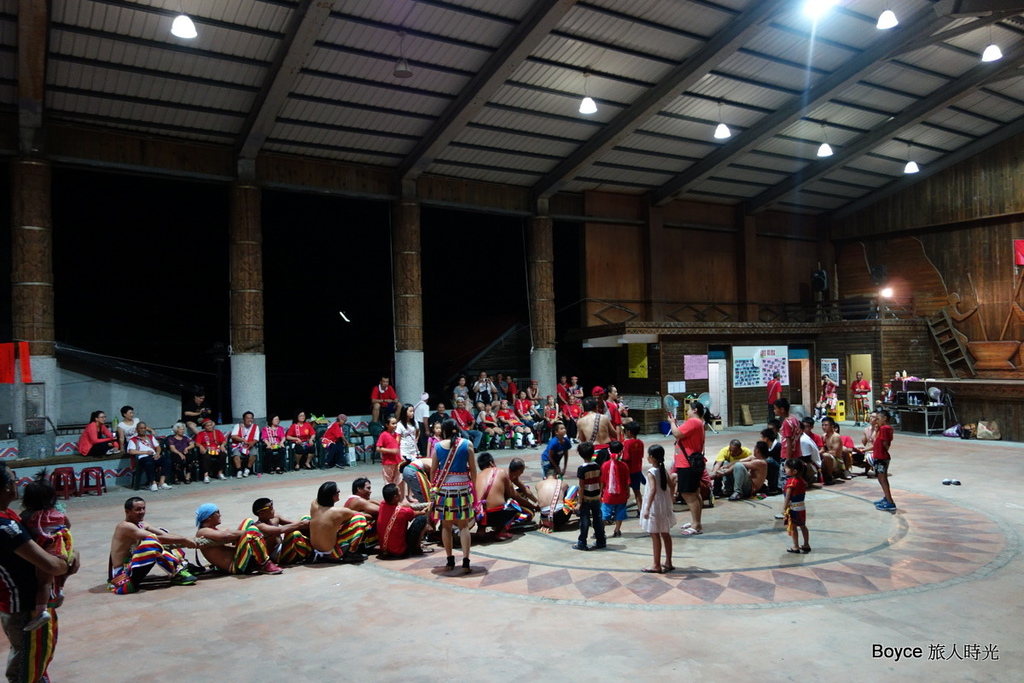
26 362
6 363
1018 252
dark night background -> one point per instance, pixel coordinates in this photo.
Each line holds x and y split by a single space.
141 273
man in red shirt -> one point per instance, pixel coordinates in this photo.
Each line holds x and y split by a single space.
563 391
383 399
401 528
614 488
213 453
880 459
860 388
790 432
464 419
774 393
336 444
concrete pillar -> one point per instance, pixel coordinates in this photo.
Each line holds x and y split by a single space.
32 288
543 362
248 357
409 377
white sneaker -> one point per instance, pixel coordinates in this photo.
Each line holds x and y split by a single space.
221 476
165 487
152 487
246 472
206 479
238 474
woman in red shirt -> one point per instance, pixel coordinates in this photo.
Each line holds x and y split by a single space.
302 434
96 439
690 441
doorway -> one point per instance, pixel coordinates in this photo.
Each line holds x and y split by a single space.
718 388
859 362
799 384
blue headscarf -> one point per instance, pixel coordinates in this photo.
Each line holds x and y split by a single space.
204 512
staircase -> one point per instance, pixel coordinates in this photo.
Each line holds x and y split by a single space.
951 345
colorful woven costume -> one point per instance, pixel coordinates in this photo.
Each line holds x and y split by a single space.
147 553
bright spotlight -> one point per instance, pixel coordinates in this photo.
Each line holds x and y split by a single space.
886 293
816 9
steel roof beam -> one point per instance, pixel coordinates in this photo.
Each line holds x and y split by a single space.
966 152
943 36
971 81
680 78
304 28
543 17
852 71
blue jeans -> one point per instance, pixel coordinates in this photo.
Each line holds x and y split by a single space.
590 513
337 454
473 435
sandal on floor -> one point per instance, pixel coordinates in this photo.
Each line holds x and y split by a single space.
690 531
652 570
805 548
796 551
669 568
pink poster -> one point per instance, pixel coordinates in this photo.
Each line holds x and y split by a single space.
695 367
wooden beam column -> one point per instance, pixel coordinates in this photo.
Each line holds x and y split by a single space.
746 266
543 365
248 356
405 235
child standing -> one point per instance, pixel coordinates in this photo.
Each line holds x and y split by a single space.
614 488
589 474
880 459
657 517
794 511
51 529
634 457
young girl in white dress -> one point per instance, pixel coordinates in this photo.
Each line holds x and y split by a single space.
656 516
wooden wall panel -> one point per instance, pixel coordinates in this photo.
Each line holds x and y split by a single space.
912 273
783 269
698 265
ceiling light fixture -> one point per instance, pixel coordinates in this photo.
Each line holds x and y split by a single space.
911 166
825 150
816 9
402 69
887 20
721 130
183 27
587 104
992 52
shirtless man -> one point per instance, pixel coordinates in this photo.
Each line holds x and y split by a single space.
335 531
286 540
521 492
416 476
235 551
557 502
597 428
360 501
137 547
750 473
494 488
834 447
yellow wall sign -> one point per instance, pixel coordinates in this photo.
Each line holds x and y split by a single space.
638 361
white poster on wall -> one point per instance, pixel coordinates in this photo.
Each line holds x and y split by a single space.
753 366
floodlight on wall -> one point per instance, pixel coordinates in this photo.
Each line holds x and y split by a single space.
825 150
887 20
911 166
587 104
183 27
992 52
402 69
721 130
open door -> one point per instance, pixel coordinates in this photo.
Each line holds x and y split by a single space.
718 387
859 362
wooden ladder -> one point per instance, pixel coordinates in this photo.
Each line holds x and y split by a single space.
951 344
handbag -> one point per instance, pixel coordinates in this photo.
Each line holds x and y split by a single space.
698 463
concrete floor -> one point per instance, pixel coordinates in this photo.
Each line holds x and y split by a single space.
942 571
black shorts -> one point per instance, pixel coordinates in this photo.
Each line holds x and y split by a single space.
687 480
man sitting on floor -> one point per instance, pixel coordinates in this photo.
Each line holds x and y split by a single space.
286 540
402 527
235 551
557 502
335 532
749 474
137 547
721 475
360 501
494 491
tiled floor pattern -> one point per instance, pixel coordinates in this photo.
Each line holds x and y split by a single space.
741 558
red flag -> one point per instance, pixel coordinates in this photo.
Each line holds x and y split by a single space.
6 363
1018 252
26 362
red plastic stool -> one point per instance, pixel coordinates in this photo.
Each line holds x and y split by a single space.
88 485
63 480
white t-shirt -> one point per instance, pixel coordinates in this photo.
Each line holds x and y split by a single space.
129 428
421 411
407 445
808 447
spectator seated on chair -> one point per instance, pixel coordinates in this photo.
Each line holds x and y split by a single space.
302 435
244 437
511 424
464 419
182 453
96 440
336 443
383 400
212 451
275 444
527 414
148 455
127 427
487 423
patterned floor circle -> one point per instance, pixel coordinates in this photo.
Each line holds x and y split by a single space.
741 559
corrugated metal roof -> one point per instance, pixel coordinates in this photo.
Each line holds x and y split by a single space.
114 64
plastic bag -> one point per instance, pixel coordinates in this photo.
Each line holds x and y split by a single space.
989 430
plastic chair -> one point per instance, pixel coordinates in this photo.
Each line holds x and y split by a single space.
63 481
376 429
92 481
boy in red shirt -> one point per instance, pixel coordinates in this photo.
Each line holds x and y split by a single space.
795 513
880 459
633 449
390 458
614 487
401 527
